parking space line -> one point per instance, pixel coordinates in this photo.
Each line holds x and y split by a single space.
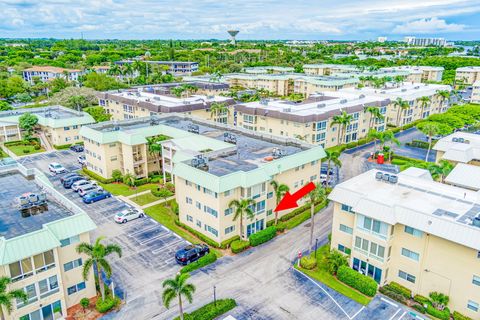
160 236
391 318
389 302
404 313
356 314
131 235
167 247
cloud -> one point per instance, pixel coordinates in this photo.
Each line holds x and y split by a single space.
428 26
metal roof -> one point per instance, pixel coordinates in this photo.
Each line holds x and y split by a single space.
465 175
463 152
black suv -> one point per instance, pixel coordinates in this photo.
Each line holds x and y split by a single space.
77 148
191 253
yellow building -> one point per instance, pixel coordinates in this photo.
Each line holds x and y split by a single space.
412 230
420 73
467 75
459 147
145 101
328 69
38 245
475 92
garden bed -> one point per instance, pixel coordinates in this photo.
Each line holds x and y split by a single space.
21 149
121 189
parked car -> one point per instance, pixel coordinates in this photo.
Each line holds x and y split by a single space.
83 190
127 215
56 168
95 196
67 184
191 253
80 183
77 148
68 176
82 160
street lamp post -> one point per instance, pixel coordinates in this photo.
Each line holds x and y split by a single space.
214 295
316 246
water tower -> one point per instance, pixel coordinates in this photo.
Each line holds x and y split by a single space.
232 34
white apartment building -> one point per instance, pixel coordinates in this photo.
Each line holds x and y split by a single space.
468 75
48 73
427 73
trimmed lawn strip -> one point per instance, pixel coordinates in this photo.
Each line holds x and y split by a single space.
211 310
321 274
121 189
18 149
166 217
144 199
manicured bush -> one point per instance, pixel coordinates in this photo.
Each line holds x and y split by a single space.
211 311
108 304
419 144
421 299
226 243
170 186
398 288
95 176
37 147
162 193
62 146
199 235
156 178
26 150
238 246
174 206
308 262
263 236
392 294
139 182
419 308
296 217
459 316
443 315
356 280
351 145
281 226
84 303
200 263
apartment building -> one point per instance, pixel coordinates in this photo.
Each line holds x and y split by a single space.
269 69
147 101
427 73
48 73
312 120
120 76
425 42
467 75
328 69
38 238
207 88
60 125
174 67
410 92
459 147
475 98
413 230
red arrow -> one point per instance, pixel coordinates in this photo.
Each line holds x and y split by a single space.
289 201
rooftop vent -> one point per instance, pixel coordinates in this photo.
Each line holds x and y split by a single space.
287 109
461 140
455 140
200 162
157 98
321 105
416 87
383 91
379 176
264 102
343 101
404 90
230 138
361 96
476 221
278 153
193 128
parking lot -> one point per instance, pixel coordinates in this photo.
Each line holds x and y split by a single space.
148 247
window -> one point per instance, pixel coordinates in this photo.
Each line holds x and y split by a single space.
472 305
344 249
189 218
78 287
188 200
44 261
198 205
229 229
346 229
227 193
413 231
199 223
410 254
72 264
66 128
269 195
269 212
21 269
188 183
376 227
48 286
69 241
347 208
211 230
211 211
31 292
320 125
228 211
75 126
406 276
476 280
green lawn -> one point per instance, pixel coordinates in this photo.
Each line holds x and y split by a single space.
321 274
144 199
121 189
18 149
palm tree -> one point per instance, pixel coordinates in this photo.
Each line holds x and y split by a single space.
388 137
154 148
445 94
176 288
342 120
129 179
401 105
7 297
280 190
424 101
374 135
242 207
217 108
319 194
375 115
442 169
115 70
332 157
430 129
189 88
96 256
127 71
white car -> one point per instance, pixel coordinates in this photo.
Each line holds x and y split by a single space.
56 168
83 190
82 160
79 183
128 214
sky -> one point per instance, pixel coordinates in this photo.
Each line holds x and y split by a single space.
255 19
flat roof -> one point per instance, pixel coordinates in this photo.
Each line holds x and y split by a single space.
420 68
50 69
338 66
459 147
407 91
465 175
440 209
476 69
157 62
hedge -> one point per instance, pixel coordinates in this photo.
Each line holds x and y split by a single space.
62 146
226 243
297 212
356 280
95 176
421 299
109 303
142 181
238 246
419 308
443 315
308 262
211 257
392 294
22 142
211 311
418 144
262 236
199 235
159 192
459 316
398 288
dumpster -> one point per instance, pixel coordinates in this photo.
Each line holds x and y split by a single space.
380 158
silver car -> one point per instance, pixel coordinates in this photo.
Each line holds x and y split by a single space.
83 190
128 214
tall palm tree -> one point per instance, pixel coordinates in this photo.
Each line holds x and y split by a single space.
96 256
154 148
115 70
342 121
424 101
332 157
280 190
217 108
375 135
319 194
442 169
401 105
129 179
388 137
375 115
242 207
7 297
445 94
176 288
127 71
429 129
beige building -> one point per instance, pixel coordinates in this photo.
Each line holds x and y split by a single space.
412 230
475 92
459 147
426 73
328 69
48 73
143 102
38 245
467 75
58 124
269 69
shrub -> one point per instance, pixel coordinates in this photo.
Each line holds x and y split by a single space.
226 243
108 304
62 146
139 182
84 303
364 284
174 207
459 316
439 300
199 235
281 226
443 315
351 145
335 260
156 178
308 262
263 236
211 311
161 193
398 288
419 308
421 299
37 147
26 150
238 246
392 294
170 186
117 175
95 176
200 263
